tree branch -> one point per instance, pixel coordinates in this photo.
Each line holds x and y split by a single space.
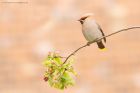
126 29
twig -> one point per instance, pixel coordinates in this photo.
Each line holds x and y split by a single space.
98 40
74 53
60 57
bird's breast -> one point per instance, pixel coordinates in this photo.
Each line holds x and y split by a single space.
91 31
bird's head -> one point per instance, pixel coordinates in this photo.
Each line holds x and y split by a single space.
84 17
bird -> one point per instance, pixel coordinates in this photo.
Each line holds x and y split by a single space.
92 30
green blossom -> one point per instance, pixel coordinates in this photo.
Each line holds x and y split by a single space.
57 74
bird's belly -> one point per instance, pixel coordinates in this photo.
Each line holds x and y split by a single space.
92 34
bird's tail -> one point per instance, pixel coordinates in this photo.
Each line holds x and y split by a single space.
100 45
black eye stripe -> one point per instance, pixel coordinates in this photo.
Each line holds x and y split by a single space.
81 22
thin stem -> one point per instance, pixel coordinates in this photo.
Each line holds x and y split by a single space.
74 53
97 40
117 32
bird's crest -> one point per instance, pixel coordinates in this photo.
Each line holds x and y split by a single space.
86 16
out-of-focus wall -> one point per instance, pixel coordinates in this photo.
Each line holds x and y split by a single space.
29 30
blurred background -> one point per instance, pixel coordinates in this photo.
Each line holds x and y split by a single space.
29 29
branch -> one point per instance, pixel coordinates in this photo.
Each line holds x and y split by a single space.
88 44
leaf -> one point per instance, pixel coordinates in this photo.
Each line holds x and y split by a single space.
58 75
58 60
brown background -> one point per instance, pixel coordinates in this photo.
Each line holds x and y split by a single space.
29 30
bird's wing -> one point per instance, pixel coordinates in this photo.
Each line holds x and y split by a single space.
102 32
